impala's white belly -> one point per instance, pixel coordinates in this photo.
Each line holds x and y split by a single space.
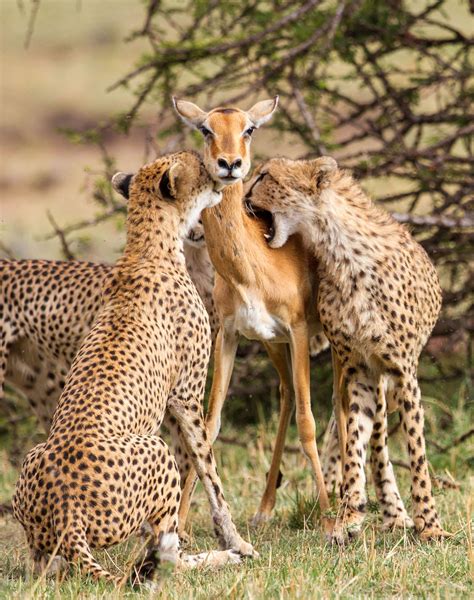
255 322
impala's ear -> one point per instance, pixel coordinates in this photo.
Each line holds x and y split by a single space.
191 114
262 112
322 168
121 183
168 183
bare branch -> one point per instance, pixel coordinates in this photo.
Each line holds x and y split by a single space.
62 238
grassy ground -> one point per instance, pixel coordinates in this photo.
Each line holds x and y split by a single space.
76 52
294 562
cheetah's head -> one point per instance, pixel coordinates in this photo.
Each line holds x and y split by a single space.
176 182
286 191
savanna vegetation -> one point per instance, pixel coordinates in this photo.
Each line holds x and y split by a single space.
386 88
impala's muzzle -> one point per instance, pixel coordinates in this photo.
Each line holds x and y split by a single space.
229 172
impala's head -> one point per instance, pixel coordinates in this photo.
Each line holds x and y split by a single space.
227 134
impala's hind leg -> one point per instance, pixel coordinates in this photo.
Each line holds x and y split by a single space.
279 354
304 415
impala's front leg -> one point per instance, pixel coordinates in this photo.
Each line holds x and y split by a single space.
199 448
304 415
282 362
224 356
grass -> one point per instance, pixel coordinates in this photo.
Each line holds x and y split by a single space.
295 561
75 53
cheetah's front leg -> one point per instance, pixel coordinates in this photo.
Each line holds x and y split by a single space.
362 407
200 450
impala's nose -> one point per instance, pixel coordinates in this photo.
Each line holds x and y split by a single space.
236 164
229 170
223 164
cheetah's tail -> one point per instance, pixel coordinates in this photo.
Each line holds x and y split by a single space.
75 548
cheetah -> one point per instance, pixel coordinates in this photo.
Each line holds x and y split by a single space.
378 300
102 472
47 308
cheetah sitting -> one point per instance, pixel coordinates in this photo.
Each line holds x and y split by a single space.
102 472
47 307
379 298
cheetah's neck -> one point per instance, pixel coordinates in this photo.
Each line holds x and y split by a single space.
350 235
153 234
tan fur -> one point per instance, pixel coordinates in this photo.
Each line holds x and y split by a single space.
102 472
379 298
249 294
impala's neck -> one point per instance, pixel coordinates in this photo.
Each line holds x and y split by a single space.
229 237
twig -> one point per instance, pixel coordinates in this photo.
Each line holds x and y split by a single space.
88 222
6 250
31 22
234 441
459 440
438 480
62 238
467 221
5 509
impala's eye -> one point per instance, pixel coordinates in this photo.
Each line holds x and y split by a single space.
205 131
248 132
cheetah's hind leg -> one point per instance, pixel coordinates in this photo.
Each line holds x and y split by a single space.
394 513
44 564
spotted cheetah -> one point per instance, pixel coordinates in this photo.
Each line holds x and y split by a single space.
378 300
102 472
48 307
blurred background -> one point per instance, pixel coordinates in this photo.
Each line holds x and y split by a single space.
385 87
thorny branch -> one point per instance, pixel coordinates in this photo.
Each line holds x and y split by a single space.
384 87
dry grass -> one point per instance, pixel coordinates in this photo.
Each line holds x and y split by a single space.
294 562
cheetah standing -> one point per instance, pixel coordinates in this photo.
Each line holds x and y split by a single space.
102 472
379 299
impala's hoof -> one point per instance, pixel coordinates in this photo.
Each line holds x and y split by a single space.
260 519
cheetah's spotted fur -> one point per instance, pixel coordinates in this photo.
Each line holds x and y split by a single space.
379 299
48 307
102 472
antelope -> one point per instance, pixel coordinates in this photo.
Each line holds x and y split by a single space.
264 294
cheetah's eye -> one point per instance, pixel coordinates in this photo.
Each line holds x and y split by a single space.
205 131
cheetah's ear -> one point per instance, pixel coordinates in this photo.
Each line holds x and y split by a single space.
121 183
168 183
323 167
